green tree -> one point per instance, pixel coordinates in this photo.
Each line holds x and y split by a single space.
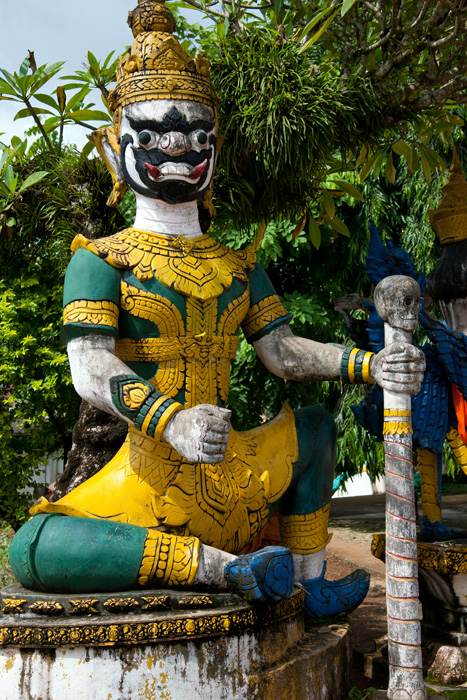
331 111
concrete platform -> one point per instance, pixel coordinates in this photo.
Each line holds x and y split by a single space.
113 649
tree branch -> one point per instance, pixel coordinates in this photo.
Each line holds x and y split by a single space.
206 10
33 114
450 39
419 18
450 91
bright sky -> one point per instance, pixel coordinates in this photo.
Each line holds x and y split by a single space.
59 30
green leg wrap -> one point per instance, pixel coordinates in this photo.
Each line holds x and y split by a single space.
313 472
62 553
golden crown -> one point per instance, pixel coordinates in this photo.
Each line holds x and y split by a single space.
156 67
449 220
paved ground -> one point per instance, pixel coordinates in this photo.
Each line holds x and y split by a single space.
353 520
365 510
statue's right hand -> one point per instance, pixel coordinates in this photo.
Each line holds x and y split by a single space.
200 434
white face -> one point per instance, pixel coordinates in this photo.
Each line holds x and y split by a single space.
168 149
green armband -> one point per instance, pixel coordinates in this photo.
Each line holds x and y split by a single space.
355 366
142 404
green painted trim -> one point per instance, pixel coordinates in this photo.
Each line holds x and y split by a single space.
284 321
78 330
117 388
91 278
260 285
235 290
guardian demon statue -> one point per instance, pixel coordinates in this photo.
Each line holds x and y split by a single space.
151 322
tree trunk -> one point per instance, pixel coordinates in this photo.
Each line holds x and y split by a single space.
97 437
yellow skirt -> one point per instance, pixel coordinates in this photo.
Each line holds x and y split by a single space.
225 505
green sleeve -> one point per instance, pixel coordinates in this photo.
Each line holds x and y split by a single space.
90 297
266 311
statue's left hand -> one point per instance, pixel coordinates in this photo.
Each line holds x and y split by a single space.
399 367
200 434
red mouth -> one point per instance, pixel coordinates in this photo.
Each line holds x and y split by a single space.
199 170
153 170
194 174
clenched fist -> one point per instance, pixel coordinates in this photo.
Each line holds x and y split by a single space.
200 434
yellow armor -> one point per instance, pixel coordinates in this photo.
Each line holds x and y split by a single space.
148 483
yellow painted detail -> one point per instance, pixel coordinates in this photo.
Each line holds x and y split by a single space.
428 470
156 67
397 412
135 394
449 220
351 365
13 605
431 557
100 313
168 559
225 505
397 428
201 273
151 412
108 137
305 534
458 447
198 356
125 632
366 368
262 314
171 348
164 419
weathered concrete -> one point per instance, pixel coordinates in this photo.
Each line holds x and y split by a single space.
165 644
277 662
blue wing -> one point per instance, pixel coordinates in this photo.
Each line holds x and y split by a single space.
451 349
386 260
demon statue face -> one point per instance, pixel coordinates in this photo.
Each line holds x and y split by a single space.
168 149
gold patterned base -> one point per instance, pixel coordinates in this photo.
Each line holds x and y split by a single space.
431 557
131 618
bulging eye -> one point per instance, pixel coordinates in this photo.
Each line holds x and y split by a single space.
147 139
199 140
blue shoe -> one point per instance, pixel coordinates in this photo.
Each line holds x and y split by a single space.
329 598
434 531
266 575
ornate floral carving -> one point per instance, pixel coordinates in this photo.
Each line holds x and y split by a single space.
262 314
163 629
196 601
156 602
305 534
13 606
99 313
431 557
83 606
46 607
120 604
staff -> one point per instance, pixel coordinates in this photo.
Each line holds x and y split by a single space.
397 301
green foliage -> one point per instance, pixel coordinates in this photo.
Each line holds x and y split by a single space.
11 187
38 398
319 138
282 122
356 694
54 113
6 575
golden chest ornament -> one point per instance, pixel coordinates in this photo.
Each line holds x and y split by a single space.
200 268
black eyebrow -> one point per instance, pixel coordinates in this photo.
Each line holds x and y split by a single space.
161 128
